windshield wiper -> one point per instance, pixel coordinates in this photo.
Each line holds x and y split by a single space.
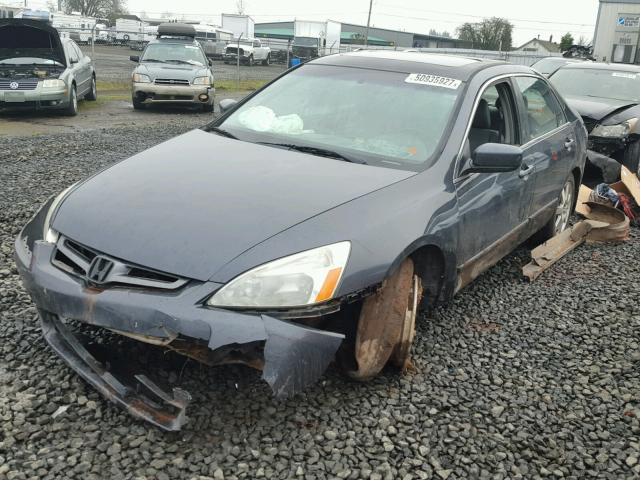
320 152
152 60
222 132
188 62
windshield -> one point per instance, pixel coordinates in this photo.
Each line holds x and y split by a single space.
590 82
367 115
549 65
173 52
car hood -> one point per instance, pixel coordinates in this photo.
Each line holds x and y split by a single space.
30 38
595 108
192 204
175 72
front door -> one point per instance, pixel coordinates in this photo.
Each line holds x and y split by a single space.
493 207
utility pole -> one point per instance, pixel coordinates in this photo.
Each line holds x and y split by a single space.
366 35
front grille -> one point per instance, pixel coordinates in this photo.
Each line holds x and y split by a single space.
75 258
171 81
23 84
234 50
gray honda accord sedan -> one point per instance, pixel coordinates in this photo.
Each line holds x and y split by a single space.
309 222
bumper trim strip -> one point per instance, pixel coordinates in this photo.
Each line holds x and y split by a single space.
65 344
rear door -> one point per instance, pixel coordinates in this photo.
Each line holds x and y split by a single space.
549 143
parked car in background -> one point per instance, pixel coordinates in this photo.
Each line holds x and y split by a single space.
548 66
250 51
173 69
607 96
41 70
295 225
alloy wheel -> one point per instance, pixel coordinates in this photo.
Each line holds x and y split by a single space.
563 210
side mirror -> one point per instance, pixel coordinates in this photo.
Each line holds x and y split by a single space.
227 104
494 158
135 58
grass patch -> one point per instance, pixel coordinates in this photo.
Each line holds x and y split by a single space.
111 86
244 85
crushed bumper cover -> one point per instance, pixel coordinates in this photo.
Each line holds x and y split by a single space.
293 356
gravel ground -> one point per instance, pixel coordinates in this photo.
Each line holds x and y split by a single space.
511 380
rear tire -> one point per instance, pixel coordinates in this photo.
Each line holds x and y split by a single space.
632 157
267 60
72 108
560 219
93 93
250 61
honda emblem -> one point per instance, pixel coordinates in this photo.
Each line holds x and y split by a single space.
99 270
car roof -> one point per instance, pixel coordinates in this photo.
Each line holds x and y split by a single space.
618 67
456 66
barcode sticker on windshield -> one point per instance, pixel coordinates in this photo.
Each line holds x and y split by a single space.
433 80
624 75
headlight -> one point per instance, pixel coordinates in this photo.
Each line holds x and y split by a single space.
203 80
615 131
48 234
53 83
141 78
302 279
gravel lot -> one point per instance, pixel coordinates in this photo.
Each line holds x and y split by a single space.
512 380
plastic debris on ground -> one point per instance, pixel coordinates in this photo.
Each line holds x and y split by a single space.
609 210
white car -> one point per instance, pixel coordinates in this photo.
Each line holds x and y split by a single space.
250 50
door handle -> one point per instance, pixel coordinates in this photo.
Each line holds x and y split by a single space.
526 171
569 143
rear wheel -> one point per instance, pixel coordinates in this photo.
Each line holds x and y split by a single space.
267 60
72 108
560 220
386 325
632 157
250 61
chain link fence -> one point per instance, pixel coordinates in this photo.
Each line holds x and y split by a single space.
110 48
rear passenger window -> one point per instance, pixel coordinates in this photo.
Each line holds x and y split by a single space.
542 110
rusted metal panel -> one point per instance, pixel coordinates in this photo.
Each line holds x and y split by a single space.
613 224
387 323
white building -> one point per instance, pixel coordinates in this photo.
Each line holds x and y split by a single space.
617 31
539 47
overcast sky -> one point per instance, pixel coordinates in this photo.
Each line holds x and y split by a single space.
532 18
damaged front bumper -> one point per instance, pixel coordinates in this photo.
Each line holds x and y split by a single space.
291 356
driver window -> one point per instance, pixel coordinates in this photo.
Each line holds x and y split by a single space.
73 56
493 121
256 44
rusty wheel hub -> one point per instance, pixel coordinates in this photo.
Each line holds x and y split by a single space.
386 326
